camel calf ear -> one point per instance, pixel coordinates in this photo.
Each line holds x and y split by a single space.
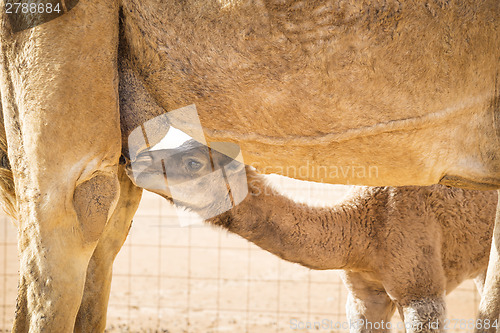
94 199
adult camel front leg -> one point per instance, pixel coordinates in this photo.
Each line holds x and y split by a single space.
92 314
59 91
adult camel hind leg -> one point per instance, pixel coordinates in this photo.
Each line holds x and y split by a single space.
92 314
59 93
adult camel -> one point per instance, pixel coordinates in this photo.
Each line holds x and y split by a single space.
410 89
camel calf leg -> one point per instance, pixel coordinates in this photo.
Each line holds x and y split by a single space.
368 307
425 315
489 307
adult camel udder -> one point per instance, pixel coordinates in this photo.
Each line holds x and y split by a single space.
408 89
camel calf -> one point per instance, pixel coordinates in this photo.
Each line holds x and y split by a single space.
398 247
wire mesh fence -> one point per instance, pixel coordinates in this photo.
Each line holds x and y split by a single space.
201 279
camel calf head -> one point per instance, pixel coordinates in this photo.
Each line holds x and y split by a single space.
208 181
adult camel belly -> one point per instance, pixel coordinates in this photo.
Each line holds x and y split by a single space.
331 91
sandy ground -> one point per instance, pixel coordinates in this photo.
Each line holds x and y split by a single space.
198 279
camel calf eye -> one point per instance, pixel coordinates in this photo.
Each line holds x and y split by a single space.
194 165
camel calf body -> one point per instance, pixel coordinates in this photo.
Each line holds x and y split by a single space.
399 248
403 247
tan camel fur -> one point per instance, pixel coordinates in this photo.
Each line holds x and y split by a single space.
398 247
93 308
385 84
402 247
409 89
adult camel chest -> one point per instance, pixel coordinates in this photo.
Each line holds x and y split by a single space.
380 93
